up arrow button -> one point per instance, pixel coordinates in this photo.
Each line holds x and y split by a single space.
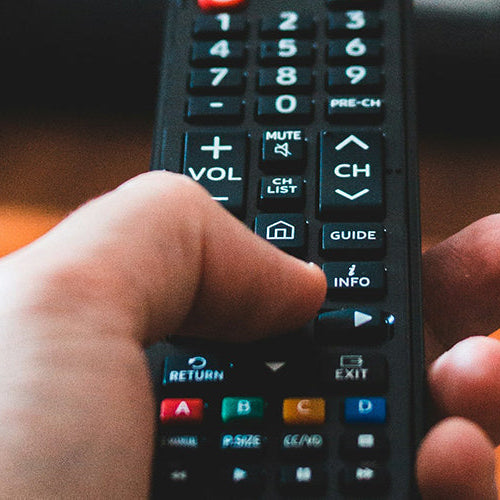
352 139
351 175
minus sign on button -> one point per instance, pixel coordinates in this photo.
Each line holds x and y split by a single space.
216 104
220 198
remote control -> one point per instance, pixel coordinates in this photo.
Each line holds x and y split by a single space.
299 118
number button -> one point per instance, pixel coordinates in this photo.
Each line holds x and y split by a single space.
365 49
353 21
222 24
275 79
286 108
222 52
215 81
286 51
288 22
354 77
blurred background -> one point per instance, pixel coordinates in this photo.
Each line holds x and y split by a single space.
78 89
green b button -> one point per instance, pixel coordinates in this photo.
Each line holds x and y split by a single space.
242 409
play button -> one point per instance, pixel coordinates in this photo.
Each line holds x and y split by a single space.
361 318
354 326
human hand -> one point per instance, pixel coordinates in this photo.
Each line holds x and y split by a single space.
158 256
461 288
155 257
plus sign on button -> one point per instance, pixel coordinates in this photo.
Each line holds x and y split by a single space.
218 161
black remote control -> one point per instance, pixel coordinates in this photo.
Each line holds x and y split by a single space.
298 116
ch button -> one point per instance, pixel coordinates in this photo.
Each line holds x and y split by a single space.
218 162
351 183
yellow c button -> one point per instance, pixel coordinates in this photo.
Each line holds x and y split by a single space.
304 411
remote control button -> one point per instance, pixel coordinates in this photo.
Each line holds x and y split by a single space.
285 108
302 479
358 108
179 478
355 373
351 176
289 23
359 279
181 411
286 51
304 411
185 370
219 53
364 445
243 479
352 22
282 193
274 80
353 78
181 444
219 163
300 374
284 150
221 4
303 443
286 231
221 25
355 49
245 443
220 110
215 81
364 480
365 410
364 326
349 239
242 410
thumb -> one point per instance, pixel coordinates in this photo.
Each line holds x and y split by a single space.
172 261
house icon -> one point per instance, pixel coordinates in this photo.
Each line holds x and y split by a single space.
280 230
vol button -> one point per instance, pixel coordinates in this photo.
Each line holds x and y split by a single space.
218 162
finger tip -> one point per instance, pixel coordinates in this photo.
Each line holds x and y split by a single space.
456 460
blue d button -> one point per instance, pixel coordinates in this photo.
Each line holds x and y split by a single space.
365 410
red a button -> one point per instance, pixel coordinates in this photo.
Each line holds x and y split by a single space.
181 411
221 4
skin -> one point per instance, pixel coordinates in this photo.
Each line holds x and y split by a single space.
157 256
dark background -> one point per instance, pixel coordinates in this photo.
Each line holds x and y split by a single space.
103 56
